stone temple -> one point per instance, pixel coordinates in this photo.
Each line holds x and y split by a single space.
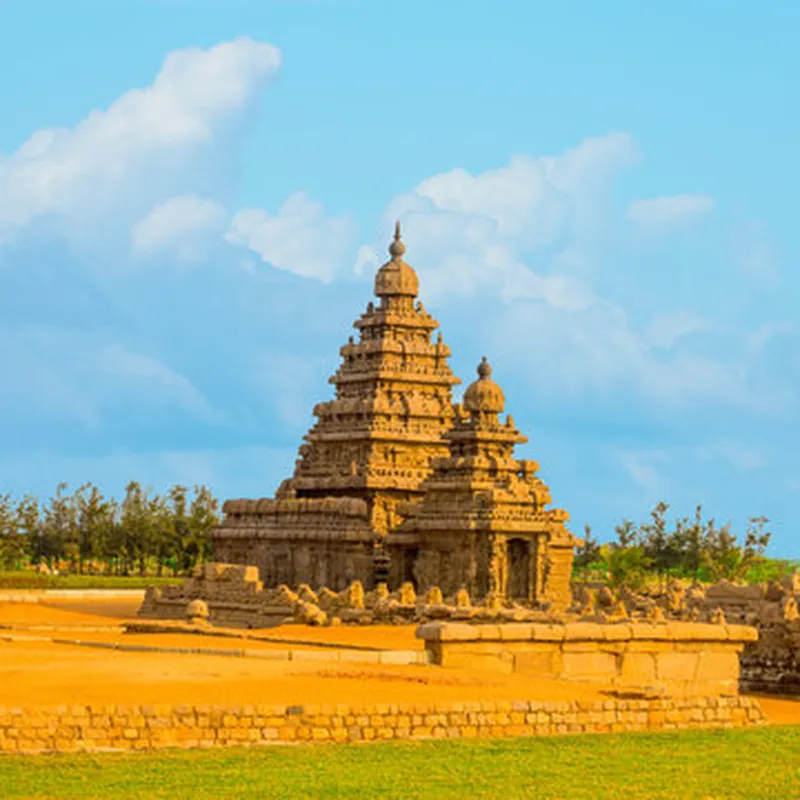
395 483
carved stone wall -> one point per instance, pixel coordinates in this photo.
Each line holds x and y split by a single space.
321 542
434 485
482 523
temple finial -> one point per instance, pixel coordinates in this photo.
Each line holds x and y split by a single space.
484 368
397 248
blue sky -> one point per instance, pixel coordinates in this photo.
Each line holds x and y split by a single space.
600 197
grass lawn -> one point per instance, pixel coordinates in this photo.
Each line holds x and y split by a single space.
10 580
757 763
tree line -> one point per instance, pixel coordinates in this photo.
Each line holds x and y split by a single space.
693 548
85 532
147 533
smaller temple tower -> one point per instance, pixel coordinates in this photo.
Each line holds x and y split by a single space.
482 523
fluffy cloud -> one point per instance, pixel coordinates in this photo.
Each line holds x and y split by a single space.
81 380
171 138
662 212
471 233
183 227
534 201
526 259
642 468
528 239
755 255
664 330
300 238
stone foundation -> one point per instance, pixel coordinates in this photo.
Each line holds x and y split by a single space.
76 728
679 659
233 594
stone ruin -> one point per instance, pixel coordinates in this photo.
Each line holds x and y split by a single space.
223 595
769 664
644 658
395 483
233 596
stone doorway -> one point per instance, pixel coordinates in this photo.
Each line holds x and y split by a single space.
518 569
409 558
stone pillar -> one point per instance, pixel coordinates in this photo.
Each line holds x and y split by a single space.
539 568
498 567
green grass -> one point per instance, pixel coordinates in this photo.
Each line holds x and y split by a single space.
31 580
758 763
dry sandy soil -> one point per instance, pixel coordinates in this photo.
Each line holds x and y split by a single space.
41 673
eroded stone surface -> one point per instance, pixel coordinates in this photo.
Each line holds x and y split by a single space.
394 483
675 659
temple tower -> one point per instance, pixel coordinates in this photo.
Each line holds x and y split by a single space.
393 482
375 440
483 523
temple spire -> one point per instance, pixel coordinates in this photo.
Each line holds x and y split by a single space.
397 248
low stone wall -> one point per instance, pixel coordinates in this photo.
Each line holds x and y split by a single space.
769 664
682 659
66 729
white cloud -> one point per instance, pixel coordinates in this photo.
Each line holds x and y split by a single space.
184 227
744 457
596 351
300 238
665 211
171 138
755 255
656 469
471 233
367 259
531 235
533 200
756 341
131 371
642 467
78 378
291 383
666 329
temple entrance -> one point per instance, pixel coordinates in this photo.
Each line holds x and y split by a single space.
518 569
409 559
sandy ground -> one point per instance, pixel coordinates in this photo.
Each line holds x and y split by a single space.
41 674
46 674
780 710
99 613
69 612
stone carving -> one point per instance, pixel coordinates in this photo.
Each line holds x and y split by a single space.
482 521
407 594
369 450
381 592
434 596
355 595
393 483
462 599
197 613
